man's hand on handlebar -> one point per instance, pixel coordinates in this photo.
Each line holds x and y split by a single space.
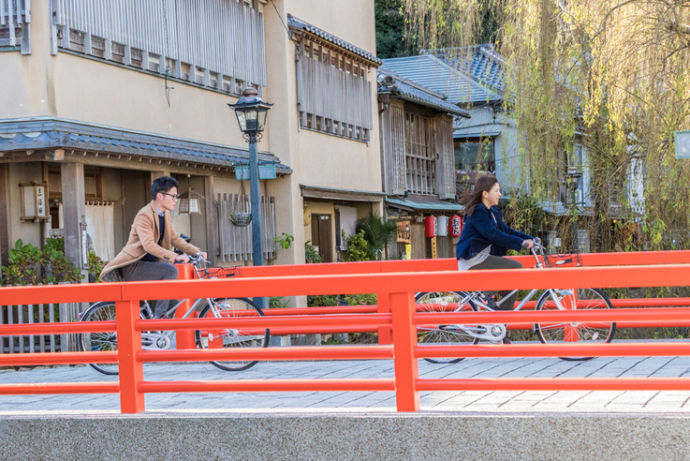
528 244
183 258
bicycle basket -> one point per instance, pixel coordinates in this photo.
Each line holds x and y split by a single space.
562 260
218 272
241 218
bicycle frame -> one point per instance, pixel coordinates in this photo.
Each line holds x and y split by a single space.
492 332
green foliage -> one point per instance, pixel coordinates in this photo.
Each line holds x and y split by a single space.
391 39
28 265
310 254
605 75
96 265
378 232
24 265
322 300
368 299
277 302
57 267
284 241
524 213
358 248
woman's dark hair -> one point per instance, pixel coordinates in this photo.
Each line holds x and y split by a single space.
471 199
162 184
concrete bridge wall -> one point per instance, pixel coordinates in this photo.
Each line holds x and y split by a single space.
426 436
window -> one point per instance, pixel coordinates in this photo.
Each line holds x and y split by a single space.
333 93
476 154
200 41
15 19
473 156
420 155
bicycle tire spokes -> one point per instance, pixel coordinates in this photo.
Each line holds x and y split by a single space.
229 337
444 302
100 341
570 332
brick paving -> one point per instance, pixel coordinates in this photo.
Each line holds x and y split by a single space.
368 402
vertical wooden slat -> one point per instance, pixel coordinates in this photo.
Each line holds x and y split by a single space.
221 228
41 319
51 319
20 319
31 308
10 23
10 320
2 311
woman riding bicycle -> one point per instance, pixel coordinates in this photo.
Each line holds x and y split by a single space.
485 238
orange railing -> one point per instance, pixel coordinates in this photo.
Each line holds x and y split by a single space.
395 312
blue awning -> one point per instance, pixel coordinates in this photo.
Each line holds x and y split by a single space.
475 134
429 205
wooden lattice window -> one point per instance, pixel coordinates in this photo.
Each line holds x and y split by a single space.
333 93
199 41
420 155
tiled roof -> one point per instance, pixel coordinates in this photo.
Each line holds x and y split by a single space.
389 82
52 133
297 24
430 204
431 72
481 62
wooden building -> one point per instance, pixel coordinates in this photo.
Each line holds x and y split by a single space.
417 163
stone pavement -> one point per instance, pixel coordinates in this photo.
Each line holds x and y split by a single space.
468 402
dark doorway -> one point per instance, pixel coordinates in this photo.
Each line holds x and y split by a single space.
321 236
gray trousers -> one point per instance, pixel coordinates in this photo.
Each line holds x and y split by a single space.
498 262
152 270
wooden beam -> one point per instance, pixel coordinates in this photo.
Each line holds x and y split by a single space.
4 212
74 213
212 238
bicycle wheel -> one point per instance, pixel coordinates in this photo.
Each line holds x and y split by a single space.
100 341
590 332
444 334
231 338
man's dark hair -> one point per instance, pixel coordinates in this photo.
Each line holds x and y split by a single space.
162 184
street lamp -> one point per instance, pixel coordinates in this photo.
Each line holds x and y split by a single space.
573 177
251 113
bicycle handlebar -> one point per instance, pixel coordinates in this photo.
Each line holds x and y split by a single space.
196 259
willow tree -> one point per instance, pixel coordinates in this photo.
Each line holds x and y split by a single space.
614 72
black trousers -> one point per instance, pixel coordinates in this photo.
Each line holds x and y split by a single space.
498 262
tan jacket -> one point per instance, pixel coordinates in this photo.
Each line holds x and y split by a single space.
143 238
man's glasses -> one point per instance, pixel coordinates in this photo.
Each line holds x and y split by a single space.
174 196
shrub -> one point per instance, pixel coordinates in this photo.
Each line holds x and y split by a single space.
28 265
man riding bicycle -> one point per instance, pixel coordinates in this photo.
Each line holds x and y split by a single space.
148 254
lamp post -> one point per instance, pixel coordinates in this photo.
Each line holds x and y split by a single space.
573 180
251 113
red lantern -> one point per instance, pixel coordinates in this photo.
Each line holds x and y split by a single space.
430 226
455 226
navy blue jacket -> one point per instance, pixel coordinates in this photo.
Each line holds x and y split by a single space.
481 230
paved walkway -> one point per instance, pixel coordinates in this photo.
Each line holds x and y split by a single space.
368 402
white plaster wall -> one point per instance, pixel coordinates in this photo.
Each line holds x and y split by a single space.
29 232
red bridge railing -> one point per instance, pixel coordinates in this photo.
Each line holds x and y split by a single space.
396 314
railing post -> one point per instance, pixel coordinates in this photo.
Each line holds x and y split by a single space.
404 343
184 339
128 347
383 306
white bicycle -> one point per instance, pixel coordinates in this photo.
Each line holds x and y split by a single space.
205 339
548 332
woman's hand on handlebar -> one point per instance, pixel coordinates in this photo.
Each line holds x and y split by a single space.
529 243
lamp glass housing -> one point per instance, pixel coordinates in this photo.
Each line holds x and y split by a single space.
251 111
